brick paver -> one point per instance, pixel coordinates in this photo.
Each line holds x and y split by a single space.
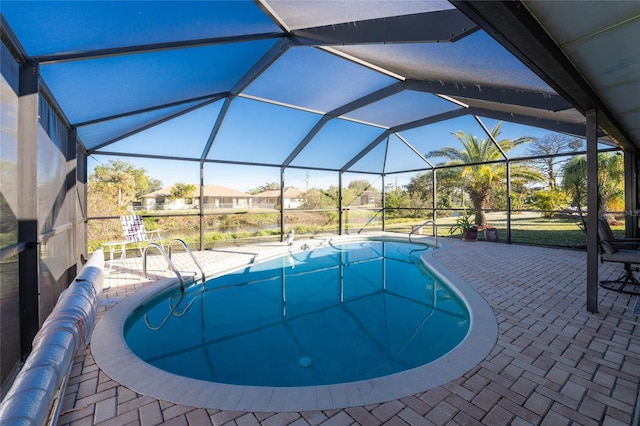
554 362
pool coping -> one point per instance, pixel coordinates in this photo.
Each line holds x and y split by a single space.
115 359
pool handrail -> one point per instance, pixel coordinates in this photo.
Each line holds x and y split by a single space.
172 266
188 250
171 311
434 227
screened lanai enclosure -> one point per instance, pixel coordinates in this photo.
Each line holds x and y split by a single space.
227 121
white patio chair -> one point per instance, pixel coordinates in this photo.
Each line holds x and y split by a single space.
620 250
134 231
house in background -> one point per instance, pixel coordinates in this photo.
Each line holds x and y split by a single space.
369 199
271 199
214 197
220 197
161 200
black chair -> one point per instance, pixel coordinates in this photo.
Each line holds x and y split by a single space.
619 250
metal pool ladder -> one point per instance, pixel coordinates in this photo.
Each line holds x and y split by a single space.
188 250
172 266
434 227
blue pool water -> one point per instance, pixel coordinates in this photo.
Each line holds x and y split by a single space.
330 315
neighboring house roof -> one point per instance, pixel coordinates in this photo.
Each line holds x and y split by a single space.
164 192
222 191
289 192
209 191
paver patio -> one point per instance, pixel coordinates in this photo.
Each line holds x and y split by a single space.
554 363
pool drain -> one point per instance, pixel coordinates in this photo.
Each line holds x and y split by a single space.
304 362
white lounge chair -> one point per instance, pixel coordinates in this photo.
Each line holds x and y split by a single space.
134 231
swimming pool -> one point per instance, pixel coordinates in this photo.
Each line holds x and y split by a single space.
335 314
114 357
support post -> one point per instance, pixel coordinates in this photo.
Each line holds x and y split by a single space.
71 155
434 201
80 204
631 194
28 269
281 204
508 165
592 212
384 204
340 212
201 205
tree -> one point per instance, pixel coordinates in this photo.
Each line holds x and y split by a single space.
116 177
550 145
421 186
549 200
120 181
152 185
182 190
478 178
360 185
270 186
395 197
610 181
316 198
449 190
403 204
354 191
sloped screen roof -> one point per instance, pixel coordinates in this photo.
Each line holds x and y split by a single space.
351 86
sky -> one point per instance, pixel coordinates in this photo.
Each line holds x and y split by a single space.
245 178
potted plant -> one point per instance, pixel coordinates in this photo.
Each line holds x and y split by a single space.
491 233
465 225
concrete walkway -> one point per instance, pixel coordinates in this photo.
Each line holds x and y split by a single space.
554 363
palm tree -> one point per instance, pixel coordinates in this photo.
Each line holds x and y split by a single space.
610 180
478 177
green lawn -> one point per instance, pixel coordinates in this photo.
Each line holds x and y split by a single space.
526 228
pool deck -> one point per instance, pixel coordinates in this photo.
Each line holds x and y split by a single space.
554 362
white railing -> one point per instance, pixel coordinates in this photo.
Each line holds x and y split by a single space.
207 206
